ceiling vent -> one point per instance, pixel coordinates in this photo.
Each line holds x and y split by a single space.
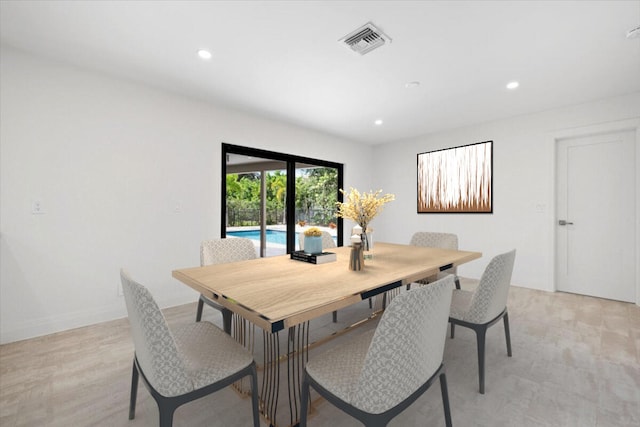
365 39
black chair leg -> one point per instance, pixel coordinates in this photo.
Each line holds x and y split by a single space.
134 391
166 415
506 332
335 317
457 282
226 320
254 396
304 403
481 334
445 399
453 328
199 312
226 316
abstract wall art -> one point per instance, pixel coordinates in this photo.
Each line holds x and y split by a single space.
456 180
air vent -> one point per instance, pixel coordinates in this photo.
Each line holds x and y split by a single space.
365 39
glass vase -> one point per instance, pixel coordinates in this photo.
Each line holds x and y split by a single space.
367 244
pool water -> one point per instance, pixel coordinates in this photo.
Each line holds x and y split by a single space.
273 236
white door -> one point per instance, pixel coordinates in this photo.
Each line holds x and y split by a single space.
596 200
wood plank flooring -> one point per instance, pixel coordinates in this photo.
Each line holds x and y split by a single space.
576 362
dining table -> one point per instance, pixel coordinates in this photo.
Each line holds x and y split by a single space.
282 295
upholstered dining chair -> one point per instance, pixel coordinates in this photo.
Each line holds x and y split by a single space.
220 251
485 306
379 374
193 361
437 240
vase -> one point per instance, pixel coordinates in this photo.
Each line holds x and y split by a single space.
313 244
367 244
356 260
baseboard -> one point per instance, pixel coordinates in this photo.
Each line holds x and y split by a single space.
34 328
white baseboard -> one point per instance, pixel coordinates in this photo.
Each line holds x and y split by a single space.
53 324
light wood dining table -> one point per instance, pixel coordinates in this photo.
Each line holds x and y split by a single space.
280 294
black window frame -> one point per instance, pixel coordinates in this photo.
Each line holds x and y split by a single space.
291 161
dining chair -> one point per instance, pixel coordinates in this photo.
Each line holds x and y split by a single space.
179 366
220 251
437 240
485 306
377 375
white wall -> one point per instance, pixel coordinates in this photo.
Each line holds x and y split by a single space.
523 186
109 160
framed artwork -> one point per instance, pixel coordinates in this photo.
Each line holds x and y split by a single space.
456 180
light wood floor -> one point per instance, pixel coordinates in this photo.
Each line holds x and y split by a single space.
576 362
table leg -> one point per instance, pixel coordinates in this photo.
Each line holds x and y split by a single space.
270 390
298 352
280 407
273 398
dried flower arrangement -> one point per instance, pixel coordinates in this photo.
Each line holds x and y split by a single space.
362 207
312 232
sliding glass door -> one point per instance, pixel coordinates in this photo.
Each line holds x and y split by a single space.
316 196
272 197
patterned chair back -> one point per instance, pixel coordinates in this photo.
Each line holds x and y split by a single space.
490 297
430 239
407 347
154 344
435 240
327 240
220 251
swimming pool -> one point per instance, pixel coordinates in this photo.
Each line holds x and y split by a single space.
273 236
278 237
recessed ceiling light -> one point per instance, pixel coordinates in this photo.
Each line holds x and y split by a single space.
412 84
378 122
204 54
512 85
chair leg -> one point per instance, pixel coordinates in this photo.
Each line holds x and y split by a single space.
506 332
445 399
226 320
457 282
166 415
254 396
335 317
481 334
199 312
453 328
134 391
304 402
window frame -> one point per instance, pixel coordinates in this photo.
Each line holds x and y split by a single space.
291 161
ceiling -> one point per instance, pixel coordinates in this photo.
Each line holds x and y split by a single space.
282 59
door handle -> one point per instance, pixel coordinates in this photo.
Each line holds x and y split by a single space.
563 222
